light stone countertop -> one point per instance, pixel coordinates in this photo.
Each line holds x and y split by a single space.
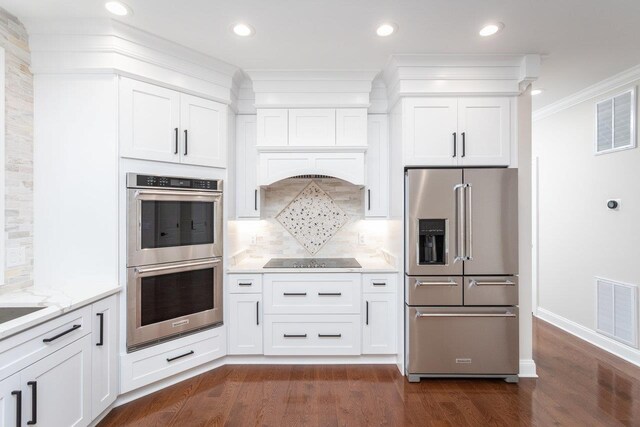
55 301
256 265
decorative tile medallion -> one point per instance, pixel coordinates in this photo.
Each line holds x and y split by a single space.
312 217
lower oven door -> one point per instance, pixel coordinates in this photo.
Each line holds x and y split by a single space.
462 340
171 299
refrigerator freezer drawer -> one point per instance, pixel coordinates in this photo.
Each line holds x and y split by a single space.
491 291
433 290
459 341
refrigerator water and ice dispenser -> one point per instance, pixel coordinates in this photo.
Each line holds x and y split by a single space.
432 242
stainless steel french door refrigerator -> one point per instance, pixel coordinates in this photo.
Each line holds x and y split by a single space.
461 273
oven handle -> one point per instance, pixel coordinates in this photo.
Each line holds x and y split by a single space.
507 314
140 271
184 193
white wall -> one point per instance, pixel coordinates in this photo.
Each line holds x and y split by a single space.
76 180
579 238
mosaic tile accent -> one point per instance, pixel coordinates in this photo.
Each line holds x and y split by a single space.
312 217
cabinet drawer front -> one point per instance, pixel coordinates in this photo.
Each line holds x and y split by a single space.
245 284
434 290
27 347
498 290
312 335
476 340
379 283
321 294
152 364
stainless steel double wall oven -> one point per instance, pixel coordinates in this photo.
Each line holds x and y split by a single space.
174 257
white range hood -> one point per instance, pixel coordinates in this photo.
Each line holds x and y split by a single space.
311 123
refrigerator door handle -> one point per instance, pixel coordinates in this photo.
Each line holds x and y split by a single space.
507 314
491 283
468 222
458 192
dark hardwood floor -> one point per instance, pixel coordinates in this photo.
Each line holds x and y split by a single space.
578 385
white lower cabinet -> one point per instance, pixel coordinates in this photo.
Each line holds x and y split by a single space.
245 323
312 335
11 399
63 372
57 387
104 355
379 324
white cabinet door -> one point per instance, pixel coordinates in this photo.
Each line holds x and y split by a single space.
273 127
204 132
61 383
247 191
429 128
149 121
484 127
376 203
351 127
315 127
11 401
379 330
245 324
104 355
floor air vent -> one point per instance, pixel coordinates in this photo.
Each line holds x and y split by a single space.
617 311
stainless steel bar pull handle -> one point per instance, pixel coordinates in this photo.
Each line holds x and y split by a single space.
418 314
460 224
468 217
492 283
443 283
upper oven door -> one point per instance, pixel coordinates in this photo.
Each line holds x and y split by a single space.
172 225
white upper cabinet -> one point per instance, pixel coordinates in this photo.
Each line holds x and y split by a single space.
485 128
165 125
312 127
456 131
273 127
149 121
376 202
247 190
203 123
351 126
430 126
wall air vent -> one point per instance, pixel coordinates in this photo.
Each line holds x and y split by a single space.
616 123
617 311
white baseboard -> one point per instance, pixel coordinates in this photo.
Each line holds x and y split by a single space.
527 369
627 353
311 360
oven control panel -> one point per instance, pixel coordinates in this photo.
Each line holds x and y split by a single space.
170 182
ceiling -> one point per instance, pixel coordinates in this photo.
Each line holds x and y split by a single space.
582 41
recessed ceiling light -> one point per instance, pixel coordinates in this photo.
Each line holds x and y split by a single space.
386 29
491 29
243 30
117 8
535 92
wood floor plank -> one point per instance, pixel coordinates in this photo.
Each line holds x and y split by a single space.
578 384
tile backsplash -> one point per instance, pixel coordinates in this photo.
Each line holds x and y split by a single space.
273 240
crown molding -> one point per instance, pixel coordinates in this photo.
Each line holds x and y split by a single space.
609 84
456 75
90 46
311 88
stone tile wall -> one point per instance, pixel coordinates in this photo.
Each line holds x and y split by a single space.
18 147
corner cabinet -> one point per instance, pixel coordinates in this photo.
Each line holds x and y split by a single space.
376 192
457 131
62 372
247 190
164 125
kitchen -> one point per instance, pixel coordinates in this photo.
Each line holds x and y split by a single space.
182 220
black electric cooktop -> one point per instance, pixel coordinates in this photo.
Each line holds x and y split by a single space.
312 263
